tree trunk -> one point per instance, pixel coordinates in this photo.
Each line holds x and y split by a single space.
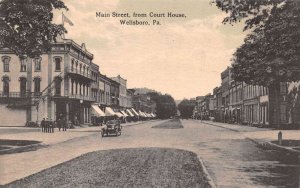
274 104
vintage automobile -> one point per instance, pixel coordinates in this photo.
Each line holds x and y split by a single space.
111 127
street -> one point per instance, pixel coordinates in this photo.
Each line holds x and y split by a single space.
231 160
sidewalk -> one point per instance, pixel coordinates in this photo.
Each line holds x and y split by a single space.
263 136
24 133
61 147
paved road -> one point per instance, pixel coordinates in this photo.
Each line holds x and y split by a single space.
231 160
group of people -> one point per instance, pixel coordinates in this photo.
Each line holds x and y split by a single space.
48 125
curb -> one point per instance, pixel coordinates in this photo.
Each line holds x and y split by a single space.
270 145
23 149
208 177
264 144
220 126
137 123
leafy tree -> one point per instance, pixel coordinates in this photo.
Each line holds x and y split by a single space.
165 105
186 108
25 25
271 52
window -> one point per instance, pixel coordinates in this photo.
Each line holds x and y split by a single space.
5 81
58 86
283 88
57 61
283 113
72 87
37 64
22 86
5 60
72 65
37 86
23 65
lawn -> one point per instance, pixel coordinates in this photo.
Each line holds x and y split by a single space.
171 124
143 167
289 143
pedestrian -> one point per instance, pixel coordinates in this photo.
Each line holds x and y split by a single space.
43 125
64 124
51 126
59 123
47 125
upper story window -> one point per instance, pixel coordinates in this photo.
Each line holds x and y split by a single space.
80 68
37 64
57 61
37 85
23 65
6 60
58 81
283 88
72 65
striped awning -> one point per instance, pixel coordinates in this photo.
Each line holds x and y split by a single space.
109 112
97 111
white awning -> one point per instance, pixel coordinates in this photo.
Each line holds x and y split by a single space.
142 114
97 111
135 113
109 112
119 114
130 113
124 113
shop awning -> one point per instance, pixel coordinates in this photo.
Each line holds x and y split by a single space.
134 112
109 112
119 114
97 111
130 113
124 113
142 114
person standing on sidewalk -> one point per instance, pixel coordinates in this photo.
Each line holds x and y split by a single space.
51 126
59 124
47 125
43 125
64 124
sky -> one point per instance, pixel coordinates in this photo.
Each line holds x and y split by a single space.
182 57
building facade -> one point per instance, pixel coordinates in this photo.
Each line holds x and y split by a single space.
122 91
57 84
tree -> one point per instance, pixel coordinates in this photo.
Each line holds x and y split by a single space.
165 105
271 52
186 108
26 28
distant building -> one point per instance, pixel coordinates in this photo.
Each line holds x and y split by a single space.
122 91
225 85
129 95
